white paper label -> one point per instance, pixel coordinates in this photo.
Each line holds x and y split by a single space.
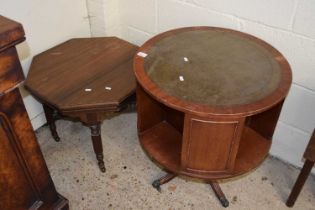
142 54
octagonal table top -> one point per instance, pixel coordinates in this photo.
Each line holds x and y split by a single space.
83 74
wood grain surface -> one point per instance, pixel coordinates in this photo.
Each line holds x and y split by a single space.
203 140
84 79
203 109
25 182
11 32
83 74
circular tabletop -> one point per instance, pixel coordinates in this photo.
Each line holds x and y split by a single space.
212 70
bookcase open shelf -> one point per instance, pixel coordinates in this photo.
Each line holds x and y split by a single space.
161 135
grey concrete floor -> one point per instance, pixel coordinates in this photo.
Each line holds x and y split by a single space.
127 182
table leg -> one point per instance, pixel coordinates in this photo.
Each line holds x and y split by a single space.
308 165
97 145
218 192
163 180
50 117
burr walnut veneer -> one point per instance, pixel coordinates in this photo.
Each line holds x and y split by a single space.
84 79
25 182
208 101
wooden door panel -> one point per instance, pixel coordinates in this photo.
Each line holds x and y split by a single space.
15 183
210 145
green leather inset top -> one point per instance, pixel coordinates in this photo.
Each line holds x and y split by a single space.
215 68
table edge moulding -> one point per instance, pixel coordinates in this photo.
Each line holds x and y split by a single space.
203 141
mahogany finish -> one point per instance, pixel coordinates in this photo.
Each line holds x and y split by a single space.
84 79
309 155
238 110
204 139
24 178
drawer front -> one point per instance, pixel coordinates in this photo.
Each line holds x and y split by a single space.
11 72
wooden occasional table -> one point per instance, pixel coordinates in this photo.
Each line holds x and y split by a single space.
84 79
208 100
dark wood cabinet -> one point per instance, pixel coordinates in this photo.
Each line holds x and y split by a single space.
25 182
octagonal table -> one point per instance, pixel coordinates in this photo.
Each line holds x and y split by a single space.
83 79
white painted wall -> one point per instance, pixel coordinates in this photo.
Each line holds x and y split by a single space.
46 23
288 25
101 25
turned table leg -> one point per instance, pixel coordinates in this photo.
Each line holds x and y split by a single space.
218 192
306 170
50 117
163 180
97 145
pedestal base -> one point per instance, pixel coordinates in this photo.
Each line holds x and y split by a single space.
214 185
